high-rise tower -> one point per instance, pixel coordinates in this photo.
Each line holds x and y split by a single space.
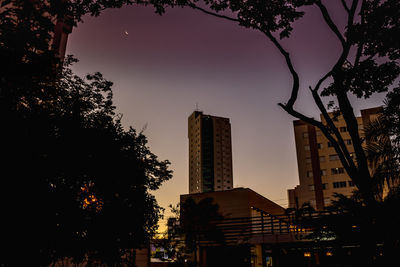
210 153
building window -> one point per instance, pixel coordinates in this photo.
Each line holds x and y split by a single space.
351 183
333 157
348 141
327 201
309 174
323 172
343 129
330 144
305 135
320 145
308 160
318 133
339 184
337 170
311 187
307 148
322 159
324 186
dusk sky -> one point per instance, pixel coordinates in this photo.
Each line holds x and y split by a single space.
162 66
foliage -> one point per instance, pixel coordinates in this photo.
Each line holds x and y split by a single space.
192 223
348 222
383 145
75 184
197 219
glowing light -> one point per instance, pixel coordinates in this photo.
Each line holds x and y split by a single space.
307 254
328 253
90 201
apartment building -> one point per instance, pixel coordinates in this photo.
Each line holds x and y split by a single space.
321 173
210 153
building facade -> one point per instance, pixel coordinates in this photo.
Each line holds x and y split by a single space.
321 173
210 153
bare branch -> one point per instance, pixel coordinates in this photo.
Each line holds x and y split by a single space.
295 76
318 85
344 4
333 128
330 23
324 130
194 6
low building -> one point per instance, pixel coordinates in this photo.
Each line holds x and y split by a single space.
238 202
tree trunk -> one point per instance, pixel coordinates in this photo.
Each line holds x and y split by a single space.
361 177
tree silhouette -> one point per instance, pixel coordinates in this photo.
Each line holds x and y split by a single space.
75 184
197 223
383 146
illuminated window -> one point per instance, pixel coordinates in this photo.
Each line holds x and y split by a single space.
337 170
343 129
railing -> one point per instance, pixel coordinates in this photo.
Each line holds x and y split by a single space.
246 229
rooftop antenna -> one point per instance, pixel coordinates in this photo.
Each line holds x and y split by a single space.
197 106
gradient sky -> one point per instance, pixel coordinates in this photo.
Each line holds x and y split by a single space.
166 64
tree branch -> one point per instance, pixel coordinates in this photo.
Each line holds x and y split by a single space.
324 130
194 6
361 45
330 23
318 85
333 128
344 4
295 76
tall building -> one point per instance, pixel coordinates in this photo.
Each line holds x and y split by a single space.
321 173
210 153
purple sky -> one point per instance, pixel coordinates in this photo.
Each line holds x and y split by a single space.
166 64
